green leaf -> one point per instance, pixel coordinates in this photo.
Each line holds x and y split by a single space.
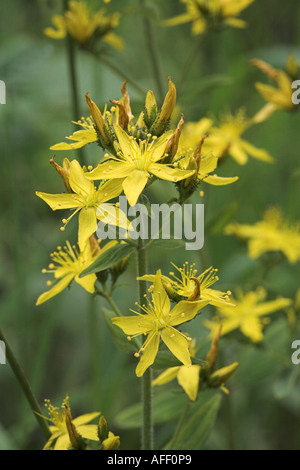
195 432
111 256
118 336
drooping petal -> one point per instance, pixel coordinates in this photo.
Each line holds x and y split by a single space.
188 378
255 152
87 282
149 354
134 184
177 344
56 289
220 180
87 225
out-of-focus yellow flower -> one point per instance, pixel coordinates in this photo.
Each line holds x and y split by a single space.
226 140
160 322
67 264
280 95
183 284
65 430
248 314
82 24
272 233
136 161
204 14
89 201
86 135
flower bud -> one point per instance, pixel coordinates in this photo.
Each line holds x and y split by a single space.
166 111
64 172
220 376
103 131
212 354
111 443
103 431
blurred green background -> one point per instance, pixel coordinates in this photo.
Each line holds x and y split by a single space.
52 341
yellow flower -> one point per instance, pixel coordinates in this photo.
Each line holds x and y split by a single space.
279 96
272 233
136 161
187 376
67 264
81 23
226 139
220 376
184 284
65 429
247 315
160 322
91 203
82 137
189 158
211 13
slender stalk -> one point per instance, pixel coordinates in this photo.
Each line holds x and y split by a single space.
155 63
113 305
20 376
147 426
94 352
187 66
71 57
118 71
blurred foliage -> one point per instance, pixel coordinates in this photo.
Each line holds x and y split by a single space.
52 341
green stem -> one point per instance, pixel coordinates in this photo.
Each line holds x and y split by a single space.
73 81
113 305
147 425
20 376
155 63
94 352
188 64
118 71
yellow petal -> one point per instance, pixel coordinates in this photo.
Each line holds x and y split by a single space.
168 173
134 184
177 344
89 431
60 201
148 355
185 311
160 297
87 282
219 180
255 152
166 376
112 215
87 225
109 170
134 324
188 378
78 181
63 442
56 289
86 418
